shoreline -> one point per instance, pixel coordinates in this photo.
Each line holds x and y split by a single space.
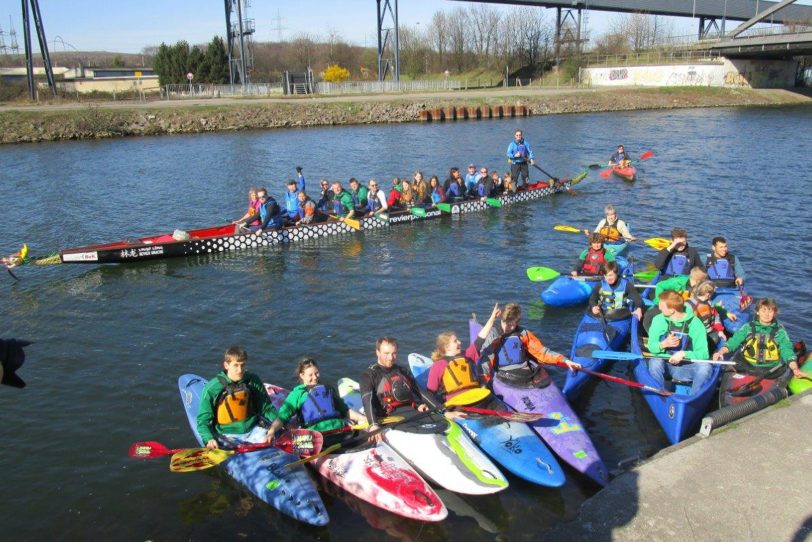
77 121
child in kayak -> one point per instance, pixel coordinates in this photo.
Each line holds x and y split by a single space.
318 406
233 404
709 314
590 262
763 344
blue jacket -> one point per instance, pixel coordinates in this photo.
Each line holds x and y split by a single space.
524 148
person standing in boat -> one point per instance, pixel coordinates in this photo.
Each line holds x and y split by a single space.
387 387
724 269
612 228
519 154
620 158
376 199
678 258
615 298
763 344
318 406
234 403
590 262
681 336
517 354
270 214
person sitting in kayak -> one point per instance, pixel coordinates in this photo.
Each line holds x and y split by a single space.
234 403
453 186
253 210
517 354
437 192
360 195
306 212
684 285
453 372
701 306
326 195
724 269
763 344
376 199
421 188
680 335
519 154
387 387
615 297
471 179
318 406
270 214
678 258
620 158
591 260
612 228
343 204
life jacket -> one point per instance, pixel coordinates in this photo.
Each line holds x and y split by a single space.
593 261
436 196
681 331
291 202
761 349
707 314
319 405
373 201
234 403
338 206
722 271
356 197
510 353
253 211
521 148
610 231
459 375
393 390
273 208
678 264
613 297
454 190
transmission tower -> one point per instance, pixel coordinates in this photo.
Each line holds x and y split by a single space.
278 26
13 46
43 47
239 41
3 49
388 40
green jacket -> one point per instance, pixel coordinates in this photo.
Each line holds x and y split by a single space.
345 198
678 283
785 350
297 397
207 424
696 331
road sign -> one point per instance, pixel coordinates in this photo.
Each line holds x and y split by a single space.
190 76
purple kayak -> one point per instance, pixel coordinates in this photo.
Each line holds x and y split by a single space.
560 428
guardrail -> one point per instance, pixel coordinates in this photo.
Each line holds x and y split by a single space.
651 57
364 87
187 91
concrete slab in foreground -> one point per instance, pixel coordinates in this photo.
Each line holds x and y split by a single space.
750 481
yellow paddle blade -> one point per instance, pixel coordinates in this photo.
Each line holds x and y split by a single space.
385 421
562 227
657 243
469 397
198 459
23 252
352 223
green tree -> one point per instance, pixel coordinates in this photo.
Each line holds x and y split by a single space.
217 61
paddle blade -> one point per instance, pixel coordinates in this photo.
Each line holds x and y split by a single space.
326 451
445 207
646 155
563 227
646 276
580 177
383 217
597 166
417 211
198 459
505 414
304 442
606 173
149 450
469 397
493 202
541 274
745 300
657 243
352 223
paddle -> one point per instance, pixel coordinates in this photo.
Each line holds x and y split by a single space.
754 385
542 274
556 179
493 202
418 211
605 173
745 300
445 207
629 356
657 243
351 222
504 414
355 441
469 397
630 383
383 217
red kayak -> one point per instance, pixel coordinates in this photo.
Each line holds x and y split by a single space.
628 174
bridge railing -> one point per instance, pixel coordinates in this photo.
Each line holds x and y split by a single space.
761 32
652 57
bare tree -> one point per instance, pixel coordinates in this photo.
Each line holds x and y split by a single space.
457 26
484 25
641 31
534 36
438 35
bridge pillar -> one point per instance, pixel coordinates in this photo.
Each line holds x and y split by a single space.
567 30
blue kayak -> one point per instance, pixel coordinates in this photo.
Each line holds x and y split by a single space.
593 334
263 472
566 291
681 413
730 298
513 445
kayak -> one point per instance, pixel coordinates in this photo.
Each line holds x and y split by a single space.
628 174
681 413
618 247
733 381
730 298
263 472
560 427
513 445
377 475
797 385
566 291
438 450
592 334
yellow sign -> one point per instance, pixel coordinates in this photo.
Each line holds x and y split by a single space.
138 74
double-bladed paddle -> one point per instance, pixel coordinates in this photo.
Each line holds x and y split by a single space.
508 415
543 274
657 243
625 382
606 172
629 356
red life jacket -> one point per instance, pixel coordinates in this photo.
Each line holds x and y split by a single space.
593 261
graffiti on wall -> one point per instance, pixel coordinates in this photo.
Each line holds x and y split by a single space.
616 75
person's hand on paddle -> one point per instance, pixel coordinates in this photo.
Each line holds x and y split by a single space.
376 437
212 444
572 365
638 313
532 162
573 274
720 354
422 407
677 358
732 316
596 310
258 232
454 414
739 281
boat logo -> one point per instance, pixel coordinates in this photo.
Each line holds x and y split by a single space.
528 403
471 432
512 445
273 484
545 465
81 257
187 398
580 454
672 411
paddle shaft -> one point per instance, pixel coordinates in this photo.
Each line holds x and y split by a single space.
504 414
550 176
630 383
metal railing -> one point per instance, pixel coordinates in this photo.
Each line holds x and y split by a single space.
365 87
651 57
185 91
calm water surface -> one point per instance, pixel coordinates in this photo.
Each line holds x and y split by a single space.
111 341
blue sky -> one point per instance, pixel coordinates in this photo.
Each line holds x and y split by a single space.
127 26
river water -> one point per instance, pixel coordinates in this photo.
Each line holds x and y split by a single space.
110 341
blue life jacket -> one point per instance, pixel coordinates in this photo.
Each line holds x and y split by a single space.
480 190
722 271
271 207
435 196
291 202
339 208
511 354
613 297
319 405
454 191
678 264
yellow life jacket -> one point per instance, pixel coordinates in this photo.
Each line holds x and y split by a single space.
234 403
761 348
610 232
459 375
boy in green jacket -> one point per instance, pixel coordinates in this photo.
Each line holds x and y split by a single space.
234 403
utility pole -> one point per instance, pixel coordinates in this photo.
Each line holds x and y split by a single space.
43 47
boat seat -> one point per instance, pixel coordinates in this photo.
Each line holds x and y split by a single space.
682 387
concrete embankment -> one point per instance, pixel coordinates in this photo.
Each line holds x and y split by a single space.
70 121
750 481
